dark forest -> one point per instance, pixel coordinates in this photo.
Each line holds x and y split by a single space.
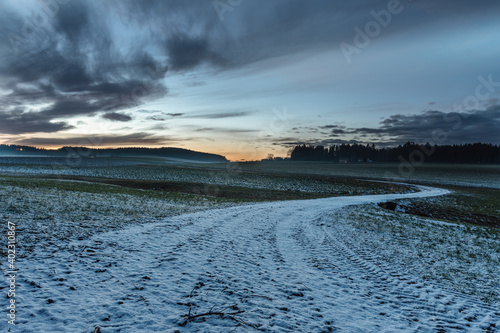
476 153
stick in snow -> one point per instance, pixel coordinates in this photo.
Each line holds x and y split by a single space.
210 313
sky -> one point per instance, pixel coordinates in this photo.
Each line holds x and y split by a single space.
248 78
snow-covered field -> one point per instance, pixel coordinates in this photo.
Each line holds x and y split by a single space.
290 266
228 175
51 215
470 175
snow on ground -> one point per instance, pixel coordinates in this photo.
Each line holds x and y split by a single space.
463 257
230 176
274 266
51 216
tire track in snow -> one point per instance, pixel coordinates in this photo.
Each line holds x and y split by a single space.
413 298
419 304
271 260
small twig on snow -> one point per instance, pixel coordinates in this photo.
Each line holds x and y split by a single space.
190 317
245 323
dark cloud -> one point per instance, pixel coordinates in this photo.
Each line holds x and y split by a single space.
187 52
109 56
70 107
225 130
158 128
136 139
17 122
73 78
221 115
72 20
115 116
458 127
335 130
164 116
435 127
157 118
78 70
262 29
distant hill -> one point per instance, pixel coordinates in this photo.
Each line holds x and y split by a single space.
165 152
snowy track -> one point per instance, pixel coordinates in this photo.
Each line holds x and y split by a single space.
281 263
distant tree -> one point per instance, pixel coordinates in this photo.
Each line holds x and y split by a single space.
464 153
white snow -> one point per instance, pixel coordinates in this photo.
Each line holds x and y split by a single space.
269 260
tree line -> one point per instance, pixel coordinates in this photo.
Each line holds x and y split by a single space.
473 153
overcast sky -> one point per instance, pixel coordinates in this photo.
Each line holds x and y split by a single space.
245 78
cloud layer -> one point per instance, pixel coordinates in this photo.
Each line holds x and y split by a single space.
435 127
105 59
